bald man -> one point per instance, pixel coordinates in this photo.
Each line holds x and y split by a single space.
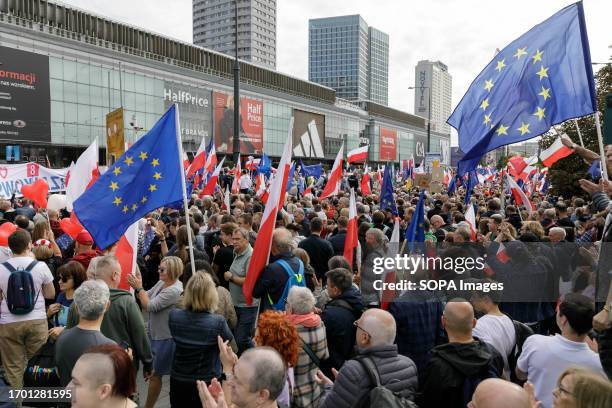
462 359
497 393
270 286
374 338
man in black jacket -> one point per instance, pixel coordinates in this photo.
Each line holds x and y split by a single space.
462 359
339 315
318 249
337 240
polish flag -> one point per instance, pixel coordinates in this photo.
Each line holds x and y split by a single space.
185 161
350 242
519 195
379 176
83 174
333 183
308 190
517 164
365 182
501 254
261 252
126 252
226 199
470 218
209 189
252 163
198 160
555 152
211 157
358 155
390 275
237 174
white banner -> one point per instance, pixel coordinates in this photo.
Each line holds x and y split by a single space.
13 176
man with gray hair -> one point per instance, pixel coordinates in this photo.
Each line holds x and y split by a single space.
92 301
375 336
375 242
283 271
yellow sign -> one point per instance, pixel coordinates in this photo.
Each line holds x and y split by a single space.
115 139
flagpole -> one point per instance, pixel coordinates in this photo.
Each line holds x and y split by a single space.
602 161
184 187
579 133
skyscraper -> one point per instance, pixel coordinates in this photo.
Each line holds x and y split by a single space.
433 77
350 57
213 28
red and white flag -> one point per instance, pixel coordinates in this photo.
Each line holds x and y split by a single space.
237 174
519 195
252 163
126 252
333 183
209 189
185 161
351 240
516 164
211 158
198 160
501 254
261 252
365 182
555 152
226 199
358 155
390 275
470 218
83 174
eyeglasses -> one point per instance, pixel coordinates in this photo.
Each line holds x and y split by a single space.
356 324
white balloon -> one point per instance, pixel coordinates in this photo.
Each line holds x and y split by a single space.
56 202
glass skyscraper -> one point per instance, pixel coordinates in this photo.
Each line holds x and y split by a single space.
350 57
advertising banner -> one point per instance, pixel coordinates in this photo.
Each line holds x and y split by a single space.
251 124
13 176
115 137
420 143
308 134
388 145
195 112
25 103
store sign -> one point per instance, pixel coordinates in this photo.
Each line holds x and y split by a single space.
14 176
308 134
115 139
251 124
195 111
388 144
420 142
25 104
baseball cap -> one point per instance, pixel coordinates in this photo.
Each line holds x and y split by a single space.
84 238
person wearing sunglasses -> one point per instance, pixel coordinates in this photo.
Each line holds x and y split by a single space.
70 276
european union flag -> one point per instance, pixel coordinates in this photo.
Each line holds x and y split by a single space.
386 193
290 179
471 183
315 170
265 165
542 78
416 230
145 177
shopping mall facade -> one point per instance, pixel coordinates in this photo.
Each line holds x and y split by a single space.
63 70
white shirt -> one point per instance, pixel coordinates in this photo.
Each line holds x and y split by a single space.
544 358
498 331
245 182
40 274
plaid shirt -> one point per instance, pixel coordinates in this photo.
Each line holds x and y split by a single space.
307 392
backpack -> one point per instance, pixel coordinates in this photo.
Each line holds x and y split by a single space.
522 331
20 293
41 371
295 279
381 396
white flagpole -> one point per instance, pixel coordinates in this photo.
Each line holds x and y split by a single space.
184 187
579 133
603 165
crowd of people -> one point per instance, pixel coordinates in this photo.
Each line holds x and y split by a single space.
319 333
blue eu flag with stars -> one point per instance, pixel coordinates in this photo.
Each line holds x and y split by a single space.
145 177
415 233
387 202
542 78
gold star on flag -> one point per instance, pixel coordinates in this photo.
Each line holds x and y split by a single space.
502 130
485 104
144 199
114 186
129 161
143 156
543 72
117 201
134 207
524 128
500 65
488 84
155 162
117 171
520 52
540 113
487 119
152 187
538 56
157 175
125 209
545 93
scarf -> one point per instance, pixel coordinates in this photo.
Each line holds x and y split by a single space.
308 320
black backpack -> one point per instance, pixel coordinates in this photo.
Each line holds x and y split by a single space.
20 293
522 331
41 371
381 396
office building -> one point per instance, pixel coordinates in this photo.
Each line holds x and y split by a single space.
431 78
214 25
350 57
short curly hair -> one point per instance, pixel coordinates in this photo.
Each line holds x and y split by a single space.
275 331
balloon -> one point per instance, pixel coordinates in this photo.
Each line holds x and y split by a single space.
56 202
36 192
70 227
6 230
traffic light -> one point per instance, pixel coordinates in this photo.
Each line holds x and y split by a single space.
607 128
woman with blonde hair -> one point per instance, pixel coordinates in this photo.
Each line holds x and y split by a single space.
194 328
580 388
535 227
158 301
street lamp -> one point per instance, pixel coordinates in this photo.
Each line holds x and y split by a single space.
428 113
236 140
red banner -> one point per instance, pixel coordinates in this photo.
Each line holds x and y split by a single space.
251 124
388 144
